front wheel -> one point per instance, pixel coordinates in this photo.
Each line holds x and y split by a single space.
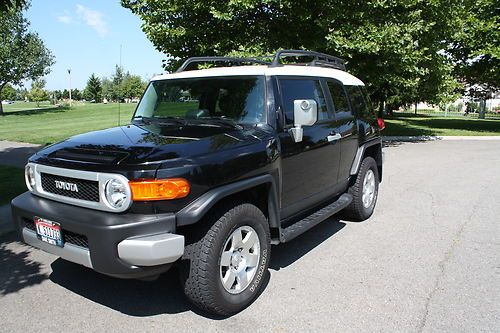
222 271
364 191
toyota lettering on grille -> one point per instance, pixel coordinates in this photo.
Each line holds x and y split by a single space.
66 186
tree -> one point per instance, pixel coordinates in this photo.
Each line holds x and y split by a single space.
475 49
23 55
107 88
93 90
132 86
8 92
7 5
117 80
37 93
76 94
394 46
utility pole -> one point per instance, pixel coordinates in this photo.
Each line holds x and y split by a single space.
69 72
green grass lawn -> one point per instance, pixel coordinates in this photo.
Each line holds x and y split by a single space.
26 106
440 126
50 125
11 183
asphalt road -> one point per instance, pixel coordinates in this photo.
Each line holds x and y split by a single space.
428 260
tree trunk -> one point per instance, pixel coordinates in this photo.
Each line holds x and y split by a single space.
416 108
1 105
482 109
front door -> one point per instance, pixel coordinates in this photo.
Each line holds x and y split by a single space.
309 168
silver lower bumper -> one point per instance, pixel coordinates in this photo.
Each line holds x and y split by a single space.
151 250
68 252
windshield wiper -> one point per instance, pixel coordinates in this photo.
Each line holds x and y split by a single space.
223 121
161 120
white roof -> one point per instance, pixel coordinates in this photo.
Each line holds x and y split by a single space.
344 77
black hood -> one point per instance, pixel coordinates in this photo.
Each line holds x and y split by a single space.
148 143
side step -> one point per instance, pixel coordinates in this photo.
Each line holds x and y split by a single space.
310 221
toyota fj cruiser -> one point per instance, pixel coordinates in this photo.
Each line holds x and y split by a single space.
215 166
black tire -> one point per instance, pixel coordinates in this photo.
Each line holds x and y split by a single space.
357 211
200 265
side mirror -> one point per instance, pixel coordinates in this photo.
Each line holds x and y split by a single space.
305 113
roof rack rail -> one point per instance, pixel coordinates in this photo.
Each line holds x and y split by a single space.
231 60
319 59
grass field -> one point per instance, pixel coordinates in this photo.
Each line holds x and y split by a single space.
50 125
440 126
11 183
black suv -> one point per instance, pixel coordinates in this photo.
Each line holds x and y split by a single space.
216 165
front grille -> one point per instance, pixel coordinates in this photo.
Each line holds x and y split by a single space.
68 236
87 189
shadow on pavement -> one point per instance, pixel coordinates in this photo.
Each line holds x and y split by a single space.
17 270
131 297
17 156
286 254
165 295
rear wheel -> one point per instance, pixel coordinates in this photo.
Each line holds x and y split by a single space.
364 191
222 270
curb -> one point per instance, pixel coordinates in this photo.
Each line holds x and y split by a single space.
6 224
422 138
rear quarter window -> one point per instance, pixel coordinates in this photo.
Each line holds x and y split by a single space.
360 102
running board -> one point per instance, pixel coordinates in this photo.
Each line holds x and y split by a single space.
289 233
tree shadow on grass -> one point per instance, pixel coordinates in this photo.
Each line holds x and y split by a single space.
17 271
27 112
475 125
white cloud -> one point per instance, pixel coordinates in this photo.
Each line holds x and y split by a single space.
94 19
66 19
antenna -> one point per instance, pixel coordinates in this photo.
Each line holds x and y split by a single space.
119 87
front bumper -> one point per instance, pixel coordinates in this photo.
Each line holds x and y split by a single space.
122 245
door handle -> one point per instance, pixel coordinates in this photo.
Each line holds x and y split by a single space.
334 137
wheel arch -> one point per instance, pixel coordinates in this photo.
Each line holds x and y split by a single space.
373 149
260 191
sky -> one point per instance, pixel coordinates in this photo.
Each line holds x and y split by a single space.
85 36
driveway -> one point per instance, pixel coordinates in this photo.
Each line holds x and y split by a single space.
428 260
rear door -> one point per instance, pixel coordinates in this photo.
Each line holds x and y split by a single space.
345 126
310 167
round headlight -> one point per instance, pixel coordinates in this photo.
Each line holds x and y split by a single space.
116 193
29 177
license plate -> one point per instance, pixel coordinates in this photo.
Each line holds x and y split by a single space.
48 231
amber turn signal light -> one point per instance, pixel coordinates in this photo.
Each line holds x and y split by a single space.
159 189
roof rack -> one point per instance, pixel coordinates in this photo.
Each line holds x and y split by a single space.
318 59
230 60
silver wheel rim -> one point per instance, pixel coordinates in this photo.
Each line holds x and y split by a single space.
239 259
368 189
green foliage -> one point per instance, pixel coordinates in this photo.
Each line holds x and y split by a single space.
93 90
7 92
132 86
76 94
392 45
37 93
475 46
23 55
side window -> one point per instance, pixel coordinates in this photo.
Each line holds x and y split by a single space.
359 103
339 98
292 89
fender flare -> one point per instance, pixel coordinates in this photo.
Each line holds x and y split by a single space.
195 211
361 152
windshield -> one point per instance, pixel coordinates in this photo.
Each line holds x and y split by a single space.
238 99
